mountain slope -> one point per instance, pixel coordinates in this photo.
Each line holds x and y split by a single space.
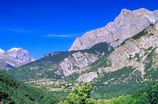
13 58
61 64
129 67
16 92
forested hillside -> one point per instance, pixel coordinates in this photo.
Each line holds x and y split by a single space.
17 92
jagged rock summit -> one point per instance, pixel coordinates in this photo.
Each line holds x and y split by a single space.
126 25
13 58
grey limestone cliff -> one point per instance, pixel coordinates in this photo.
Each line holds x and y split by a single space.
126 25
78 60
134 52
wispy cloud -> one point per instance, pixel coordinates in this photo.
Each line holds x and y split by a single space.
61 36
74 35
19 30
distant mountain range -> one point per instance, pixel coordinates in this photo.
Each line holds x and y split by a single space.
14 58
121 56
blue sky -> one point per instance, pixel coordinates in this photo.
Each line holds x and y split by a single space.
44 26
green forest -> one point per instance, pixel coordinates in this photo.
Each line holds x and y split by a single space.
17 92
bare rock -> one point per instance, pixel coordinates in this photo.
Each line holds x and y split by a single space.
126 25
78 60
134 51
88 77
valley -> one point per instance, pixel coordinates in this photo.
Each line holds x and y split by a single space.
115 64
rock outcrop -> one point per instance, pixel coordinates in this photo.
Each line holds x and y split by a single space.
88 77
135 51
81 59
126 25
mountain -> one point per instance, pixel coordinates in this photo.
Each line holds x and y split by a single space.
61 64
132 64
13 58
126 25
115 66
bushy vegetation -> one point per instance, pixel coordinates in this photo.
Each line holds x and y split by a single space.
140 34
35 70
149 96
81 95
101 63
13 92
121 82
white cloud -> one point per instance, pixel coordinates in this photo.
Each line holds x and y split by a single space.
19 30
65 35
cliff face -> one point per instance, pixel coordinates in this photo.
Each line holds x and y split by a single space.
137 52
81 59
126 25
77 61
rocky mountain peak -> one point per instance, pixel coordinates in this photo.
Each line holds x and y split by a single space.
142 10
14 57
125 11
127 24
19 54
14 49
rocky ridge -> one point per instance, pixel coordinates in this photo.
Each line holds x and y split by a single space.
79 60
134 52
126 25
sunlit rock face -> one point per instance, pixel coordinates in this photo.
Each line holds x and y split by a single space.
136 52
80 59
127 24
